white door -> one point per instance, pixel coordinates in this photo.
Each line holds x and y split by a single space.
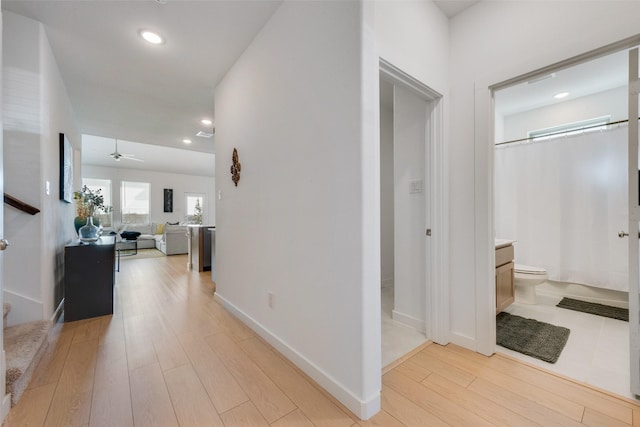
634 220
410 197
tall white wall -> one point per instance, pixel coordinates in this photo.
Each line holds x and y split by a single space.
492 42
304 124
180 184
386 197
36 109
414 36
609 103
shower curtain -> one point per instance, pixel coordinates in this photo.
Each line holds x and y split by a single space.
564 200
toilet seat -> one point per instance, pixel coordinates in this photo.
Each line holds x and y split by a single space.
525 269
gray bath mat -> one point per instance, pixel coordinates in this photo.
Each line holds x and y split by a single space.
528 336
595 308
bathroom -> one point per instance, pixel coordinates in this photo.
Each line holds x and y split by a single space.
561 197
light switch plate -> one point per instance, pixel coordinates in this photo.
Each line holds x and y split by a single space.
415 186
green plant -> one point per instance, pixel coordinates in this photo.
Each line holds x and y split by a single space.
89 202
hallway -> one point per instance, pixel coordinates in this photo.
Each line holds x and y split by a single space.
171 355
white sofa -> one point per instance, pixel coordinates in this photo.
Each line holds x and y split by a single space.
173 240
170 239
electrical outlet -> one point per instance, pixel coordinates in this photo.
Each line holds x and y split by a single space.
271 299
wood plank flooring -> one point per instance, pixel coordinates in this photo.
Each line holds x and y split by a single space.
172 356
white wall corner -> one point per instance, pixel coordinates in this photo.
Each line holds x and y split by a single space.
363 408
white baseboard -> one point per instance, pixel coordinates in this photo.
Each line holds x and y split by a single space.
364 409
6 400
584 293
405 319
463 341
23 308
6 406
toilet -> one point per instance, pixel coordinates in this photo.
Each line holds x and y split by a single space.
526 278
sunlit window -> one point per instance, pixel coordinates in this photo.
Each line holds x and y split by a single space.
135 202
591 125
195 207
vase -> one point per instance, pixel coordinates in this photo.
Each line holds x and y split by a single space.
89 232
79 222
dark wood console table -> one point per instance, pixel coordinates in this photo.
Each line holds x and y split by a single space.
89 275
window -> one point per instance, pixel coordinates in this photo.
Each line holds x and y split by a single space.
195 207
135 202
599 123
104 185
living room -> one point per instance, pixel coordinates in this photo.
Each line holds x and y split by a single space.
150 185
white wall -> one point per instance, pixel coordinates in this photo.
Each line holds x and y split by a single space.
414 36
386 197
523 36
609 103
180 184
36 108
308 193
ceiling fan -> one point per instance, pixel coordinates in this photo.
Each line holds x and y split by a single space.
117 155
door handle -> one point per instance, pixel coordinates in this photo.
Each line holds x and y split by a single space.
4 244
623 234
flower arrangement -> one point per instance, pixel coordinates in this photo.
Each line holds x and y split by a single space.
89 202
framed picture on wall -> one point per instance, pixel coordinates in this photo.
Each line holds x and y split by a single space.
66 169
168 200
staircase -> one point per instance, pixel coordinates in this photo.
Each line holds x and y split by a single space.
24 345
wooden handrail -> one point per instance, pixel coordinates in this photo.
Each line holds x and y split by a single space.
20 205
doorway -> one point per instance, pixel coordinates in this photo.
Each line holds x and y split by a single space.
412 220
564 148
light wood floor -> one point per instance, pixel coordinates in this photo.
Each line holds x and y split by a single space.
171 355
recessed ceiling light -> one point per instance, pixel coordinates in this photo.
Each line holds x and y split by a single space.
151 37
203 134
206 122
186 141
561 95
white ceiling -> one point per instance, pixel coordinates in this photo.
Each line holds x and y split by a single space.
591 77
452 7
122 87
96 151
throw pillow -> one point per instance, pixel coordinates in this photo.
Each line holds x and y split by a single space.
159 228
130 235
172 223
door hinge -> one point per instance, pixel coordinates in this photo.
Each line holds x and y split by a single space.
428 232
